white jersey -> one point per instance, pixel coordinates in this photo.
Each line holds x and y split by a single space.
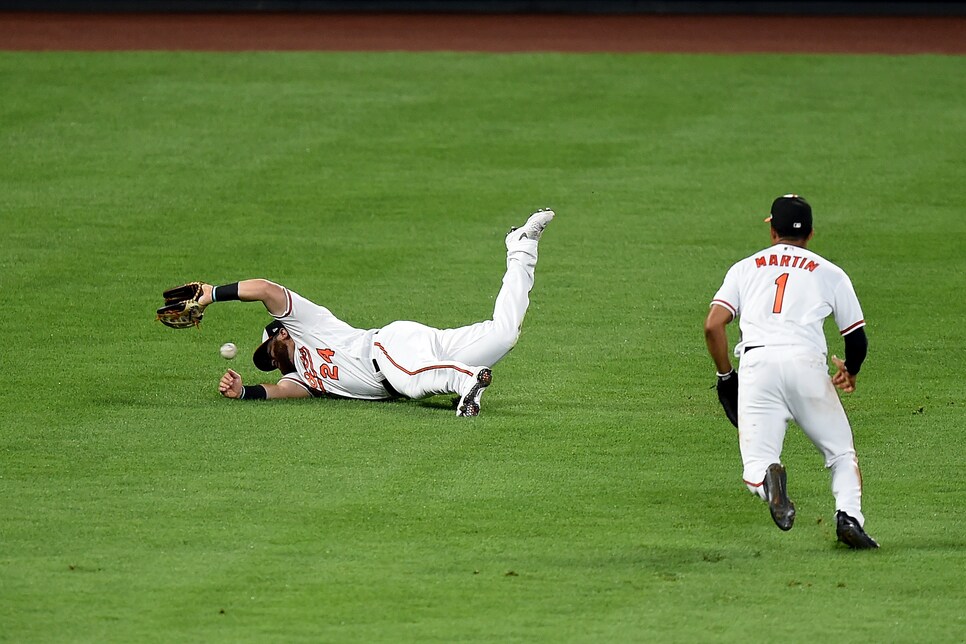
331 357
783 294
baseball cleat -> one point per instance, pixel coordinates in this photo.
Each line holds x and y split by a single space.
851 533
776 492
533 228
469 404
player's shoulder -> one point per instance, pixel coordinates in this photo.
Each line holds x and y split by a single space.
299 304
827 264
753 260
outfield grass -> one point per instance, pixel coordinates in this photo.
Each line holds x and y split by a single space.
598 497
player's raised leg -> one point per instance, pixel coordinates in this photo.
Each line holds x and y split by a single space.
776 493
762 418
485 343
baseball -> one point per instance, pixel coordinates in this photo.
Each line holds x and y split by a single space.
228 351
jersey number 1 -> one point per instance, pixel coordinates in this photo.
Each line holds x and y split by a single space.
780 293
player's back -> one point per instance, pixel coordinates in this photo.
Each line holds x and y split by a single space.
782 295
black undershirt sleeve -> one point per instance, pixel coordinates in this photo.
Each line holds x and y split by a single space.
856 346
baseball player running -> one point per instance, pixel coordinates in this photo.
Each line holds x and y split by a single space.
319 355
782 295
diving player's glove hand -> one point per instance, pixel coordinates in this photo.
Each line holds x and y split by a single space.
182 308
728 395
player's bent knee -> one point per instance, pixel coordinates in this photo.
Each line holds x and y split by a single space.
847 457
506 337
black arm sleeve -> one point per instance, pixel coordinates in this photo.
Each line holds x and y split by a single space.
856 346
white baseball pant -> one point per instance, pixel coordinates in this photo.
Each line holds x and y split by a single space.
782 383
420 361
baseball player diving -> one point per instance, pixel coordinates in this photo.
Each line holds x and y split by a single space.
782 295
321 356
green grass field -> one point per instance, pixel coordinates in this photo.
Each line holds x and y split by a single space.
598 498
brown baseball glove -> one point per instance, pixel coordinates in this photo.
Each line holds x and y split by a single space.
181 308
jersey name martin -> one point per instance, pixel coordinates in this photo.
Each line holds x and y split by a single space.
790 261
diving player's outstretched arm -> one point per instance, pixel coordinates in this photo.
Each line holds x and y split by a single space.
231 387
270 294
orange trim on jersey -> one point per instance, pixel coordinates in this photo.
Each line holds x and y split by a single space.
288 304
849 329
413 373
728 306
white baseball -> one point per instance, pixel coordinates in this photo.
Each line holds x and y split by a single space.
228 351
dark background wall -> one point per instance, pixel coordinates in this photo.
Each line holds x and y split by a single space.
498 6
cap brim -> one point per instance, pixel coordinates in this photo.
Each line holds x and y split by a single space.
262 359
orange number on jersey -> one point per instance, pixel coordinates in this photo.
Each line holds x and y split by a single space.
325 371
310 376
780 293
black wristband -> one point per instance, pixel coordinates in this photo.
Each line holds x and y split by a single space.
255 392
225 293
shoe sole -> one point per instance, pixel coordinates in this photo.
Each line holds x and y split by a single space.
539 227
470 403
782 509
525 229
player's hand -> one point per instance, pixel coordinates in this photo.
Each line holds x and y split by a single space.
842 378
205 298
230 385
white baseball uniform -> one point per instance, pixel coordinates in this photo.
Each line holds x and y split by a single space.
333 358
782 295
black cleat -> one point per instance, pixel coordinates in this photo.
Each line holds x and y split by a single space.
469 404
851 533
776 492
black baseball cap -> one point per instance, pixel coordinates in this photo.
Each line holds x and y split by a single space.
261 358
791 216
